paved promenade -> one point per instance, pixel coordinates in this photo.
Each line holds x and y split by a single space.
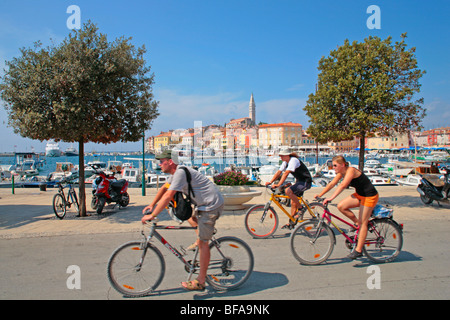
29 213
37 248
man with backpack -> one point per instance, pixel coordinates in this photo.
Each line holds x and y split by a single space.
203 194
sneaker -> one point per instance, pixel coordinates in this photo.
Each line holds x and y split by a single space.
354 254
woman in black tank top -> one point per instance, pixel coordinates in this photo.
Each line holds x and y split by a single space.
365 197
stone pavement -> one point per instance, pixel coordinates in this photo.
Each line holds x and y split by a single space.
29 213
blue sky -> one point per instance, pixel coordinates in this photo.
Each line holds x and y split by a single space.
209 56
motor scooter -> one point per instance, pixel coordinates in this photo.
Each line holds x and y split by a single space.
431 188
107 189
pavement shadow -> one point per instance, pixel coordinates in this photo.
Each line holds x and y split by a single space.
258 281
13 217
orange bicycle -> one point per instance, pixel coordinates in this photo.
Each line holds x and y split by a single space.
261 221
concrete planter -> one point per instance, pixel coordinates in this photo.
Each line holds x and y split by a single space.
236 196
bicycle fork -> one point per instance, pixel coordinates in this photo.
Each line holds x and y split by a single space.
266 208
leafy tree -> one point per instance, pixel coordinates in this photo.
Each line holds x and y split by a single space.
366 88
84 90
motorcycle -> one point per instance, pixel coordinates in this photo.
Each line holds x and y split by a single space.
107 189
434 189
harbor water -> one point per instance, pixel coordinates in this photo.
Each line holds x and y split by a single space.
218 163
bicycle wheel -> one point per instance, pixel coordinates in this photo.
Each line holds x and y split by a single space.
59 205
384 242
136 269
75 200
261 222
231 263
312 242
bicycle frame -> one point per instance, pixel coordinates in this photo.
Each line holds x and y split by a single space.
274 198
69 198
165 243
326 215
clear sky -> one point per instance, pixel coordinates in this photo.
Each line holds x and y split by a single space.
209 56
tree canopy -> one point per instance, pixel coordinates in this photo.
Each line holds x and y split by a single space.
366 88
85 89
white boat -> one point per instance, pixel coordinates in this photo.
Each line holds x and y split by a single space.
372 163
208 171
434 156
52 149
131 174
27 168
409 180
397 168
71 151
371 172
382 181
329 173
156 180
265 174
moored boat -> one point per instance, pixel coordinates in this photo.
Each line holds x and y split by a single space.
52 149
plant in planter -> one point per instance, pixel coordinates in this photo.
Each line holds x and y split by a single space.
230 178
232 186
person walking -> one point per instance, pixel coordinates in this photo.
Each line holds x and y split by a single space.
209 206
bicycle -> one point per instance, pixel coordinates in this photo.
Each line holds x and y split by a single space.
261 221
61 202
313 241
137 268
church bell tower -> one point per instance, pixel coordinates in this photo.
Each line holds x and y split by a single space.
251 110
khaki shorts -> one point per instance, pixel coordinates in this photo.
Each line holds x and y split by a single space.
206 222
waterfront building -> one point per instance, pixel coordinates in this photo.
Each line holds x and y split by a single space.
162 141
277 135
395 141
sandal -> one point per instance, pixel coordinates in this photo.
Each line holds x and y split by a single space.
290 225
192 247
193 285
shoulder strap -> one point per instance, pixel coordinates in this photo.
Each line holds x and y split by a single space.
188 178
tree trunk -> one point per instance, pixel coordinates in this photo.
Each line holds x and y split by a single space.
362 150
82 189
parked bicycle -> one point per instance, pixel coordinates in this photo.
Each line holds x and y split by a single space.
313 241
61 202
137 268
261 221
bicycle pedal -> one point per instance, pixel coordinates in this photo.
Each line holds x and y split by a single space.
288 226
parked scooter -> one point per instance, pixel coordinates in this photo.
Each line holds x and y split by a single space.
107 189
434 189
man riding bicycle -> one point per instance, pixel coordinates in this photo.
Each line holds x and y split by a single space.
292 165
209 203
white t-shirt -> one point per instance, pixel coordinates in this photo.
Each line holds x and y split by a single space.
293 164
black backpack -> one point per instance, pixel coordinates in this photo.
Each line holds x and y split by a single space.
182 204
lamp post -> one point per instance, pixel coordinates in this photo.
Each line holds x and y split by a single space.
143 163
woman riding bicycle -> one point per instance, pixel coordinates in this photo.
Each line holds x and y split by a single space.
365 197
